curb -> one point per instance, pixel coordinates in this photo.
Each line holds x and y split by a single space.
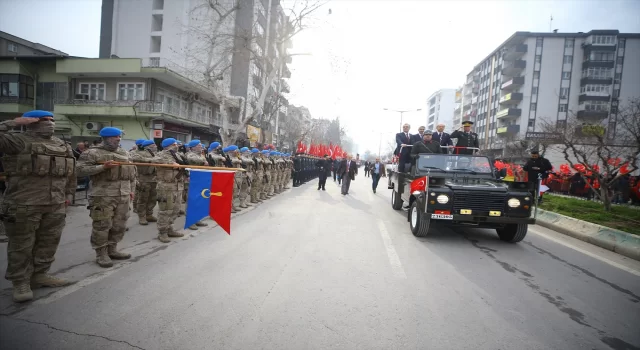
614 240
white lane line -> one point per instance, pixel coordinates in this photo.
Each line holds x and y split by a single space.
585 252
394 259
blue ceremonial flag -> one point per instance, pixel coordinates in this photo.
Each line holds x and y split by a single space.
210 194
197 204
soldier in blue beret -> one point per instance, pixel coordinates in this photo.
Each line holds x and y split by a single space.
146 194
37 192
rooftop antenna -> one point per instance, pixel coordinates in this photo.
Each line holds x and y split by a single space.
550 22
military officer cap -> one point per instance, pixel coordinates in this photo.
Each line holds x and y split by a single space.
38 114
428 132
255 150
193 143
168 142
146 143
140 141
110 131
467 123
244 149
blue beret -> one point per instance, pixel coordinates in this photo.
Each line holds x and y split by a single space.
226 149
244 149
193 143
110 132
140 141
215 145
232 148
254 150
286 154
266 151
168 142
37 114
146 143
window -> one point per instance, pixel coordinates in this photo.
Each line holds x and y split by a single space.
259 29
532 122
564 93
533 107
616 93
620 60
568 43
536 75
603 40
598 89
538 58
539 42
595 106
566 75
130 91
16 86
621 43
563 107
568 59
597 73
96 91
534 90
601 56
11 47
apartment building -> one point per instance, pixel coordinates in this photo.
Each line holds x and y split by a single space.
537 78
176 34
440 109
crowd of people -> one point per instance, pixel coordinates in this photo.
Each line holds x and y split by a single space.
41 173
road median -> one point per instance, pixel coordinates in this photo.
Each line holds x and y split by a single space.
608 238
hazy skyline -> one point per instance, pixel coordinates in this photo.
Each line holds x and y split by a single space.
365 55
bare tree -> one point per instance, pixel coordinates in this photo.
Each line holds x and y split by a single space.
212 23
594 145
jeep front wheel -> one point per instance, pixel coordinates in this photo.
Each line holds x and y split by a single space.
396 200
418 221
513 233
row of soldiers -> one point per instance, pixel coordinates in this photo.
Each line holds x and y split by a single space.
41 177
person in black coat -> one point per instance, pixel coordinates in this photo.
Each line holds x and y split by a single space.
537 168
442 137
466 138
347 171
403 139
324 169
427 145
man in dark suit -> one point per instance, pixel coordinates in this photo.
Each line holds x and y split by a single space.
442 137
466 138
403 139
418 137
324 170
347 171
377 170
366 168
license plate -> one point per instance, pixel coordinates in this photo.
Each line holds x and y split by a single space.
442 216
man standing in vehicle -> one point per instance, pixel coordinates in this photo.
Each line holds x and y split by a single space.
537 169
466 139
427 145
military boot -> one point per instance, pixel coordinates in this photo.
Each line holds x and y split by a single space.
151 218
193 227
164 237
201 224
174 234
117 255
102 257
22 291
181 212
243 205
46 280
142 220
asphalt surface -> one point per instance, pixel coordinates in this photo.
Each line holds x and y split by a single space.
316 270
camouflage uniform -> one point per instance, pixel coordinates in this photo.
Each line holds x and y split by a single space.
236 162
170 188
247 179
267 174
258 178
196 158
274 177
280 169
216 158
109 199
40 177
287 173
146 193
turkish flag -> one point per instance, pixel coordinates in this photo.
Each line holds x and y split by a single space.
419 184
221 198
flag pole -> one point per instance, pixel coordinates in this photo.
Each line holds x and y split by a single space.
178 166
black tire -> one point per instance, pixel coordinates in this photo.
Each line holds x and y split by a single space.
513 233
396 200
419 227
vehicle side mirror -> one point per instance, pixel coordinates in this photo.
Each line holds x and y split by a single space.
502 173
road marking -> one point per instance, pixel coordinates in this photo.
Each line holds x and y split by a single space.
588 253
394 259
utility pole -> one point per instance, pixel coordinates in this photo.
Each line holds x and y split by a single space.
402 114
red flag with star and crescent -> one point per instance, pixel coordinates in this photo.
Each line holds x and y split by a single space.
419 184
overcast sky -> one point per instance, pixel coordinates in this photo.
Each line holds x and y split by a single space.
367 54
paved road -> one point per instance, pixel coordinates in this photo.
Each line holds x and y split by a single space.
316 270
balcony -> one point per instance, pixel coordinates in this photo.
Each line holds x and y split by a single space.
469 115
508 130
149 109
509 113
515 52
513 83
595 81
514 68
593 96
598 115
512 98
15 105
474 100
593 64
590 130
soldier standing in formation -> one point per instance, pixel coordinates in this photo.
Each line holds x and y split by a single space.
258 177
267 175
466 138
195 157
170 187
214 157
41 182
279 172
235 162
138 147
146 194
246 176
110 194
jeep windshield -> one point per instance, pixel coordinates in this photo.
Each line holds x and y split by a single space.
454 163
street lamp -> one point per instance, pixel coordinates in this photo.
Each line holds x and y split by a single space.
402 112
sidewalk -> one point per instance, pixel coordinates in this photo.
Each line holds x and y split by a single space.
75 259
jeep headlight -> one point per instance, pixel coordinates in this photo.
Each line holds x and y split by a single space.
443 199
513 202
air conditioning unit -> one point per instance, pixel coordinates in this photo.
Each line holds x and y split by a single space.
92 126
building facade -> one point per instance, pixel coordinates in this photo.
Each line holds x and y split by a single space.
533 80
440 109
